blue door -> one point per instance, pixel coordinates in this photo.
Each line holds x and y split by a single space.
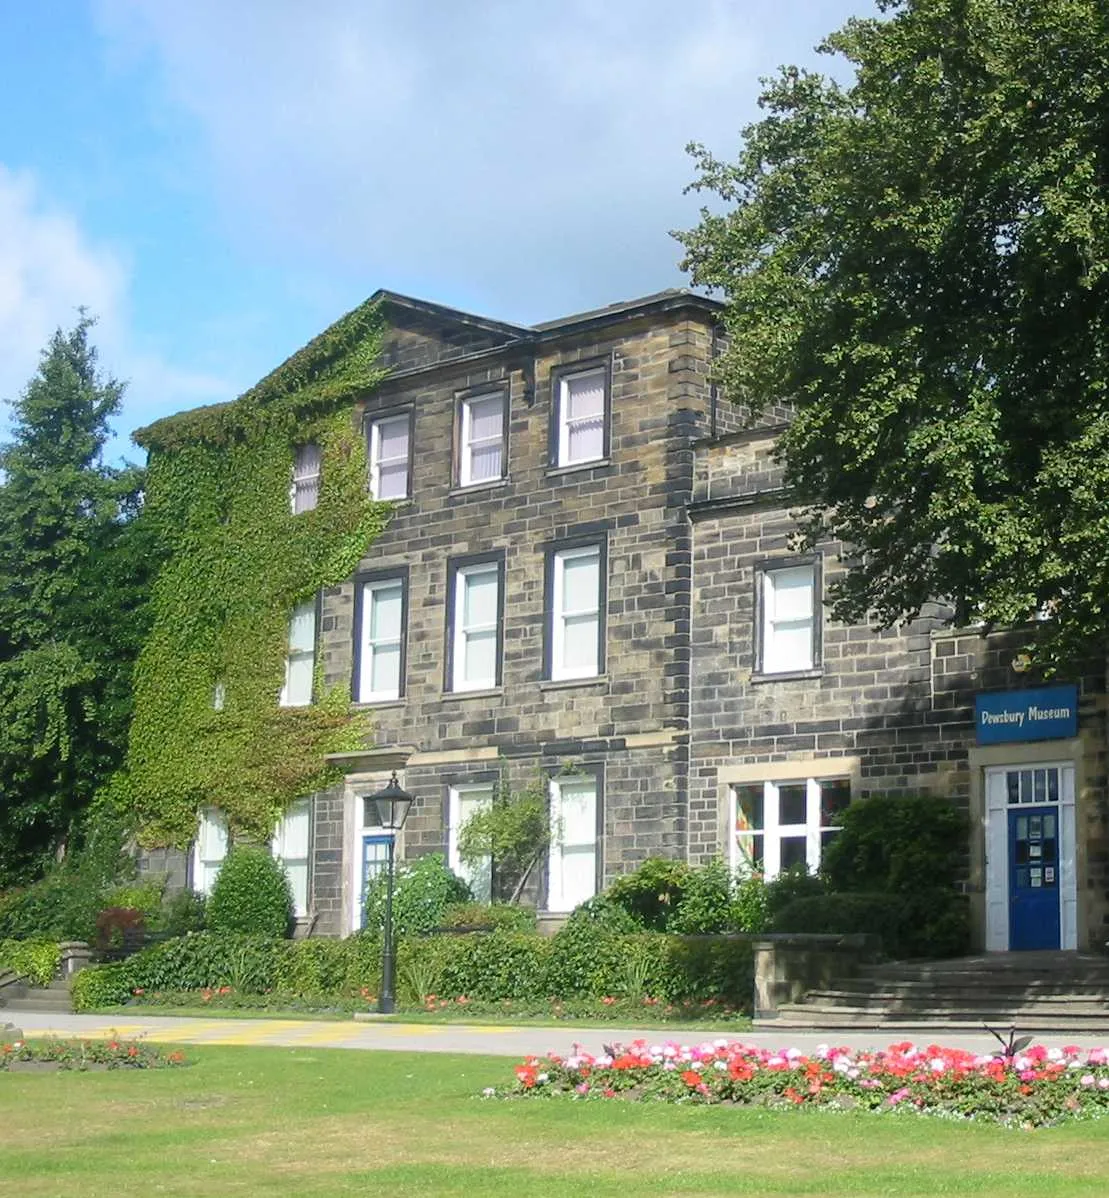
375 856
1034 878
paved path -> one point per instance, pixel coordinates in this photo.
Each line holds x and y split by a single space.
441 1037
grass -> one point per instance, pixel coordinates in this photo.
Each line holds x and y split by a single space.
253 1121
457 1015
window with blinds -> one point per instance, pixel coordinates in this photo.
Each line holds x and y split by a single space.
390 453
575 627
789 627
305 491
481 439
582 403
381 640
463 803
290 847
572 858
300 660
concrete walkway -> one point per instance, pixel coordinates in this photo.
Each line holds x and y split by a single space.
440 1037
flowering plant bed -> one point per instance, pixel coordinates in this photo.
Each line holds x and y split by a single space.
46 1056
1031 1087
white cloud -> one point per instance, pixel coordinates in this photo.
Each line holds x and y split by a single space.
49 268
526 156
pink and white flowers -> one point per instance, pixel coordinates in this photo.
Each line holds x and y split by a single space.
1034 1087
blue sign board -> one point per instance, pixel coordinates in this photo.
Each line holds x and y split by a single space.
1040 713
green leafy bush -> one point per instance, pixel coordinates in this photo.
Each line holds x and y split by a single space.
36 960
789 885
102 986
424 889
144 896
489 915
899 844
932 923
586 955
751 905
652 893
250 895
179 914
707 903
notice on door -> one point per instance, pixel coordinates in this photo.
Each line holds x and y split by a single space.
1040 713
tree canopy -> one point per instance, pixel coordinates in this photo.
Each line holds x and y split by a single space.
74 569
918 260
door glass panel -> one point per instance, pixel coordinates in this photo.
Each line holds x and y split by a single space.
1026 786
1049 825
1012 786
1040 777
1053 786
1022 827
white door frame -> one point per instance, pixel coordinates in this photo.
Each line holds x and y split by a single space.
997 854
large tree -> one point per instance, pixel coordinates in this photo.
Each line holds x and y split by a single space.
73 580
918 259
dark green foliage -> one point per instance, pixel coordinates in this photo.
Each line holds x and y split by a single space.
919 261
587 951
652 892
64 904
508 916
236 563
928 924
74 579
707 903
792 884
251 895
902 844
424 889
512 833
179 914
751 905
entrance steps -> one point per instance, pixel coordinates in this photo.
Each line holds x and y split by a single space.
1060 991
54 998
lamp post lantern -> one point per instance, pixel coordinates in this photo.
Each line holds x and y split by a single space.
393 803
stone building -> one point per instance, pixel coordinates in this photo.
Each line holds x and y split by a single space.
590 584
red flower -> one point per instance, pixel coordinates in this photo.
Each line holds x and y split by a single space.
691 1077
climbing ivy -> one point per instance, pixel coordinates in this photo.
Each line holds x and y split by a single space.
236 563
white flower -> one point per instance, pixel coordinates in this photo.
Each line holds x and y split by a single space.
937 1064
489 1092
541 1078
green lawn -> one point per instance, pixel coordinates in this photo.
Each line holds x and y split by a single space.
257 1121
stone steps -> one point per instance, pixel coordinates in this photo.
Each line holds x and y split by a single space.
811 1016
53 998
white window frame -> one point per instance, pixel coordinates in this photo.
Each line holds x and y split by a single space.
560 897
561 618
211 831
479 878
295 865
774 831
304 491
563 426
467 445
460 634
772 657
376 461
367 647
287 698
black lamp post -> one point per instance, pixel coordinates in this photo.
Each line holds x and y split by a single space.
392 803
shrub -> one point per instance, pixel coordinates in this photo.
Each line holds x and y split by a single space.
586 956
119 928
751 905
179 914
707 903
102 986
145 897
250 895
719 968
489 916
424 889
792 884
899 844
653 892
36 960
931 923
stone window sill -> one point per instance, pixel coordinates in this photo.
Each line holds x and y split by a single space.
577 467
459 492
378 704
495 692
558 684
787 676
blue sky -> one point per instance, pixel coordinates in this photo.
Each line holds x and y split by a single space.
218 180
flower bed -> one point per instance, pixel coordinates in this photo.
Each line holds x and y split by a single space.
84 1055
1031 1087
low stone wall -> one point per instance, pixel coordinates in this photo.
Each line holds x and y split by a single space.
787 965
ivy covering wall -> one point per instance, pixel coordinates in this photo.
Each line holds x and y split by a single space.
236 563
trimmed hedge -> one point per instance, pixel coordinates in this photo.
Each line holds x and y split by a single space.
251 895
934 923
584 960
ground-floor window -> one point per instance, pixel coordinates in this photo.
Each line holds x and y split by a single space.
290 848
209 849
462 803
779 825
572 861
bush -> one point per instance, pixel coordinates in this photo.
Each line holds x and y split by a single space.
897 844
179 914
789 885
708 901
36 960
145 897
101 986
752 907
489 916
120 929
932 923
652 893
424 889
251 895
586 955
